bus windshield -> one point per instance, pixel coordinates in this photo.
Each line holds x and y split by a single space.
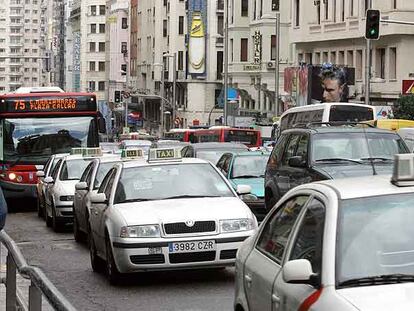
33 140
249 138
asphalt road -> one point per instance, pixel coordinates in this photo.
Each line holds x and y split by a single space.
67 265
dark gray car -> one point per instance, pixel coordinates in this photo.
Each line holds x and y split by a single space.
304 155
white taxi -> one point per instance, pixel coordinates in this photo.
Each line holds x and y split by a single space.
61 186
345 244
166 213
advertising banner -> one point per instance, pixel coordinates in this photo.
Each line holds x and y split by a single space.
196 37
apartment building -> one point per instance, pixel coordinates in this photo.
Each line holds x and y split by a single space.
22 49
333 30
191 30
252 53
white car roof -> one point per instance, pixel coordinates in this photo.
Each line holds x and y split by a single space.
107 158
143 162
360 187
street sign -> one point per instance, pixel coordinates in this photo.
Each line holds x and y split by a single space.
408 87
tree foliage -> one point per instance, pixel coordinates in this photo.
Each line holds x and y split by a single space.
404 107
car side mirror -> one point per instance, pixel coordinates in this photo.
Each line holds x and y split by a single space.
299 271
99 198
49 180
297 161
243 189
81 186
40 174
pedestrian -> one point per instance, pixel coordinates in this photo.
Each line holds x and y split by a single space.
335 88
3 209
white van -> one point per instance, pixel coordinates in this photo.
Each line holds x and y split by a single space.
326 112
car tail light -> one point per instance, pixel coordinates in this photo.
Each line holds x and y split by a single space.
308 302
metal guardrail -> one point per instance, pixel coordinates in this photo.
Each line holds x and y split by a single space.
40 284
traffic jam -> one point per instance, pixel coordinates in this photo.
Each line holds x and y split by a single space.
312 221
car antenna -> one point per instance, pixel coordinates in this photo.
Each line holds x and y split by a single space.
374 171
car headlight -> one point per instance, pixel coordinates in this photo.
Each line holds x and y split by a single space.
234 225
66 198
147 231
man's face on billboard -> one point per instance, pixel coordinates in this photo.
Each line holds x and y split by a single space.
332 90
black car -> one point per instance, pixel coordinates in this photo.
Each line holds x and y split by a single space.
303 155
211 151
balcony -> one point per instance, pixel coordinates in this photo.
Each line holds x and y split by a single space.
16 44
15 83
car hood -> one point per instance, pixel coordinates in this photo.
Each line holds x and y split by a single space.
257 185
381 297
178 210
353 170
66 187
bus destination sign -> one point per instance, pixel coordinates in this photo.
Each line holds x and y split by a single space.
48 104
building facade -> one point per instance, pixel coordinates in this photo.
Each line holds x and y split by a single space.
333 31
22 44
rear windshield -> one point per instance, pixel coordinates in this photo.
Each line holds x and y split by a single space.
248 138
350 113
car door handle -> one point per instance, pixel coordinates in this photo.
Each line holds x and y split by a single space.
275 298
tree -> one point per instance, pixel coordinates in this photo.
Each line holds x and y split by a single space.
404 107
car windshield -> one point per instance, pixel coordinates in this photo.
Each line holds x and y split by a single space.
170 181
103 169
73 169
213 155
375 237
249 166
356 146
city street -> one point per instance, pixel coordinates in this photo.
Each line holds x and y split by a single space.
67 265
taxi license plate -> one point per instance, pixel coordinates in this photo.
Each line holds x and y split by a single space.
189 247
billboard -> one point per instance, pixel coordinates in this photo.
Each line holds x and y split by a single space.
196 37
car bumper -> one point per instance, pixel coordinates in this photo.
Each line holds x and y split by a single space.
258 208
131 256
18 191
64 211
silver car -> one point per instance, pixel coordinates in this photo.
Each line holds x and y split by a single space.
89 183
344 244
172 214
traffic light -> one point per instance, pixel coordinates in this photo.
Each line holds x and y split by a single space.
117 96
372 24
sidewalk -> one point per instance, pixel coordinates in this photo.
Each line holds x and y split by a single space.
22 285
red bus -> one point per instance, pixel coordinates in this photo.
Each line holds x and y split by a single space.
185 135
249 137
36 125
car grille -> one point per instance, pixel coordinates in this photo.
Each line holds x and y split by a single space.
228 254
147 259
182 228
192 257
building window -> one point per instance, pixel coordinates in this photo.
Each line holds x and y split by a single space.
91 66
317 58
93 28
180 60
164 28
101 86
101 66
318 13
181 25
102 10
92 46
334 10
123 69
380 63
326 9
93 9
101 46
220 25
91 86
333 57
341 58
343 11
394 4
297 12
124 23
101 28
219 66
358 65
231 50
350 59
393 64
245 8
124 47
273 47
324 57
366 5
244 46
351 8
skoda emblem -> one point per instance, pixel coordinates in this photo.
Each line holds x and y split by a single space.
189 223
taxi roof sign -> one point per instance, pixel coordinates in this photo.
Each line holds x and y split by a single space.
131 154
76 151
92 152
403 174
164 154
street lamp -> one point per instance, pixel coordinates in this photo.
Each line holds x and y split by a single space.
174 57
277 52
226 59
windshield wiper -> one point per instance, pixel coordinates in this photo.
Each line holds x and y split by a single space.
189 196
134 200
378 280
246 176
338 160
377 159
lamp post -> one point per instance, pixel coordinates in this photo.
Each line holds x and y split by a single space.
226 59
174 69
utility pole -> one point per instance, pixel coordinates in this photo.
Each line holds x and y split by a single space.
162 97
226 59
368 64
277 52
174 95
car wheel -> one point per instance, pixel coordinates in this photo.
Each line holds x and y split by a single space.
40 212
96 262
56 224
112 271
79 237
48 219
